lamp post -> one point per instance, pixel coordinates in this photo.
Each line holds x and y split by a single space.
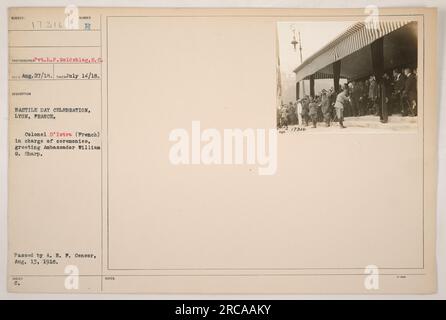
294 43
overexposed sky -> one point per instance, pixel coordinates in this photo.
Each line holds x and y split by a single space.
314 36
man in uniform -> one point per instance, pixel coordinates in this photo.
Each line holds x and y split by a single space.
398 88
313 111
332 98
342 101
365 97
410 92
326 107
292 119
355 96
283 116
373 95
361 108
386 93
299 112
305 110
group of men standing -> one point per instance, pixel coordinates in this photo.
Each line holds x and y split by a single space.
389 95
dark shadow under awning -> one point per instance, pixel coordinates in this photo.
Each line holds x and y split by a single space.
353 49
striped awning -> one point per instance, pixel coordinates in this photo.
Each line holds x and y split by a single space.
353 39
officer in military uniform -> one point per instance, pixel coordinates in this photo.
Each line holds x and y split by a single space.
398 88
313 111
326 107
305 110
410 92
342 101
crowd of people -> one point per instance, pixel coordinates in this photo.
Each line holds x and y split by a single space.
393 94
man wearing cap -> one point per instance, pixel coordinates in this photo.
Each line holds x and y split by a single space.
355 96
299 112
313 111
398 88
342 101
410 92
325 106
305 110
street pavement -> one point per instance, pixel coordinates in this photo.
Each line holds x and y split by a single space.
364 124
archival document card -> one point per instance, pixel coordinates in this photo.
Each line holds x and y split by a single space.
269 151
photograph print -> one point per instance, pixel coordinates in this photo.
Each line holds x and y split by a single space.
347 76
